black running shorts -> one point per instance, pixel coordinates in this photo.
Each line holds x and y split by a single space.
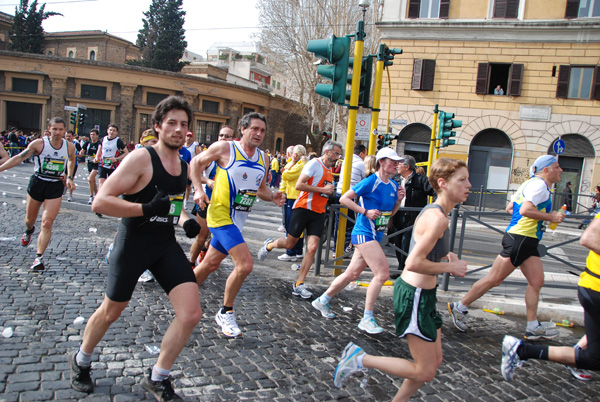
302 219
41 190
519 248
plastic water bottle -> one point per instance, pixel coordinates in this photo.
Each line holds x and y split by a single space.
553 225
295 267
8 332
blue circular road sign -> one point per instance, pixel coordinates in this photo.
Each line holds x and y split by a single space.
559 146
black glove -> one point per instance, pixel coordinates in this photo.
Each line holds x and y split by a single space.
191 227
160 205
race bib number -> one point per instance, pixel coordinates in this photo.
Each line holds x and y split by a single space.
53 167
244 200
174 211
325 183
382 222
107 163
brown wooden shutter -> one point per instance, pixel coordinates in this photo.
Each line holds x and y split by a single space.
428 75
562 88
481 86
417 73
444 9
516 79
572 10
413 8
500 9
596 84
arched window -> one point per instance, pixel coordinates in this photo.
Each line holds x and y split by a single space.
71 54
92 55
50 53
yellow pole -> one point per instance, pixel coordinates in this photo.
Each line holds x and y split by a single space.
376 103
432 143
352 114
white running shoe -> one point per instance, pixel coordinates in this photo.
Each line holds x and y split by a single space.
370 325
510 359
348 364
70 198
146 277
301 291
323 308
285 257
228 323
582 375
91 200
262 253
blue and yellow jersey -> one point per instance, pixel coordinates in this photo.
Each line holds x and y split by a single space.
537 192
593 265
235 187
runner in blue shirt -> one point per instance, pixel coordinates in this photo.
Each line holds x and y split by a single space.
380 198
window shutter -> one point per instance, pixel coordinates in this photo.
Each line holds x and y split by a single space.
500 9
512 9
596 84
482 79
413 8
444 9
428 75
417 73
562 88
516 79
572 10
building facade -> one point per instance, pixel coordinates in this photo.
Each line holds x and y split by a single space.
34 88
458 54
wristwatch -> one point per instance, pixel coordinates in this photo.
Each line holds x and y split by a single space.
70 177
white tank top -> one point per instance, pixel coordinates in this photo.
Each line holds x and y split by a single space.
51 163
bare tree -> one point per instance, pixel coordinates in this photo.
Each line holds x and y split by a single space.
286 28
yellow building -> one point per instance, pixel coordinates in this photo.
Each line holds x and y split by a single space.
543 54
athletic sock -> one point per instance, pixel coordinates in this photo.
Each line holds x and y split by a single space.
367 314
158 374
461 307
532 325
359 361
298 283
324 298
529 351
83 359
225 309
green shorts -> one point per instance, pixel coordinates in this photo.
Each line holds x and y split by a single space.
415 311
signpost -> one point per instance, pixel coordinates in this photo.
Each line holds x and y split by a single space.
558 146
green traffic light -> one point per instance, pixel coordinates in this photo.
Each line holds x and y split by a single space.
336 51
447 123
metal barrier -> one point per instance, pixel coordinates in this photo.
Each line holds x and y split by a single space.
456 215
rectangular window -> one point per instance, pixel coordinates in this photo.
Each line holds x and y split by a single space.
208 131
589 8
248 110
145 122
210 106
506 9
423 75
153 98
578 82
499 79
93 92
25 85
428 8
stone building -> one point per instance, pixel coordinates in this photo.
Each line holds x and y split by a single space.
544 55
34 88
90 45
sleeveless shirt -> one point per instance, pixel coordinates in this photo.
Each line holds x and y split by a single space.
51 163
442 246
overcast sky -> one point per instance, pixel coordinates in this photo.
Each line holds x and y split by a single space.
206 22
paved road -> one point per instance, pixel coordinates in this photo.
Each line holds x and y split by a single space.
287 351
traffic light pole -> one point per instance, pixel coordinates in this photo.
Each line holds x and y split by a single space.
376 99
348 154
432 144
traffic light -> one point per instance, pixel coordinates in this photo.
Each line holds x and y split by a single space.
383 140
81 119
326 135
447 123
74 118
387 55
336 51
366 76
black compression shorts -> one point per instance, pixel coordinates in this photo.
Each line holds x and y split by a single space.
302 219
519 248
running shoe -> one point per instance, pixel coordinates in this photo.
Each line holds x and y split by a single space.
301 291
38 264
26 238
262 253
286 257
200 257
299 256
70 198
458 317
541 331
146 277
98 215
228 323
323 308
80 376
281 229
370 325
348 364
510 359
162 390
582 375
91 199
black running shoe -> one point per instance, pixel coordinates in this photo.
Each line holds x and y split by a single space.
80 376
162 390
38 264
